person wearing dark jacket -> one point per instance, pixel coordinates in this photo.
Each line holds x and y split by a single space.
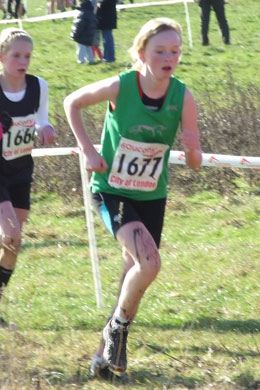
83 31
106 22
219 9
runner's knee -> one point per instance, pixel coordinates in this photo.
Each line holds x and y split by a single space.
11 242
141 247
150 265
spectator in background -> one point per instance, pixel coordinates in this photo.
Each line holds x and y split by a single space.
96 41
83 31
63 4
95 45
2 8
219 9
59 4
18 10
106 22
50 6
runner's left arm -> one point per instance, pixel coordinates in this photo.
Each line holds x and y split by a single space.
190 134
45 130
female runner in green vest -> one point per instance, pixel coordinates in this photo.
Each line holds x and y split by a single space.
145 107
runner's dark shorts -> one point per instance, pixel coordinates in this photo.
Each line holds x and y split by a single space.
115 211
17 194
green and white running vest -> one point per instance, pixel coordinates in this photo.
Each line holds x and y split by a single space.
136 142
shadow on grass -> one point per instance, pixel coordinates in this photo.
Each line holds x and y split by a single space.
143 377
223 350
214 325
210 323
152 377
53 243
218 325
237 354
140 379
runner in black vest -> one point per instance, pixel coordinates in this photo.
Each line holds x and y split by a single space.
23 113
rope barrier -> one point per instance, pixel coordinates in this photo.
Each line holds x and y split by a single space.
176 157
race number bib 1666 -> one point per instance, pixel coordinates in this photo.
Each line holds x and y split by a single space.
18 141
137 165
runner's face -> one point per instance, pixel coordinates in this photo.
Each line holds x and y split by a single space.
162 53
17 59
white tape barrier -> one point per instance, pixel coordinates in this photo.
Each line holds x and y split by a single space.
69 14
60 15
136 5
176 157
54 151
219 160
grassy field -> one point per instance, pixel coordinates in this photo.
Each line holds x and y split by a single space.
198 325
55 59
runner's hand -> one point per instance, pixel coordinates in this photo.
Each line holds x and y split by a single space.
47 135
94 162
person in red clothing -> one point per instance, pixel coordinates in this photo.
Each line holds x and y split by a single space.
95 45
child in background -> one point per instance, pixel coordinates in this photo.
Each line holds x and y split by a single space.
95 45
3 8
96 41
83 31
23 111
129 183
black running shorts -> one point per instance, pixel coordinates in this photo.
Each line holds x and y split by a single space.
115 211
17 194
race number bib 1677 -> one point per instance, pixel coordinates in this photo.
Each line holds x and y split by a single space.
18 141
137 165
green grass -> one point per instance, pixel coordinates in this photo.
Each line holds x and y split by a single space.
55 60
198 324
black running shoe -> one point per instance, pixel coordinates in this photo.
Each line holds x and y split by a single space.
115 337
